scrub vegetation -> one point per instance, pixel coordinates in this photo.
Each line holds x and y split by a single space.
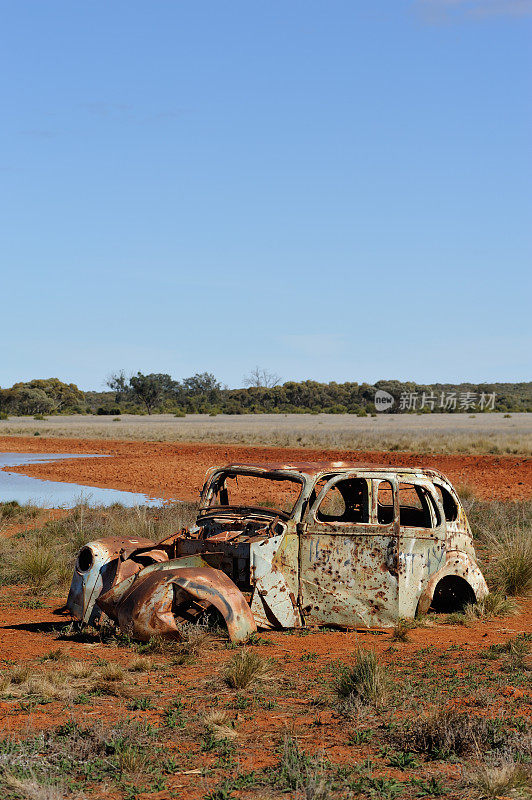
421 433
262 393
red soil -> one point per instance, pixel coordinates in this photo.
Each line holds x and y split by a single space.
177 470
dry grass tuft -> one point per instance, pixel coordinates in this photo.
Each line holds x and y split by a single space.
493 605
132 761
246 670
55 655
510 565
365 682
507 780
53 682
402 630
141 664
33 565
31 789
111 672
503 539
194 637
300 772
446 733
79 669
219 725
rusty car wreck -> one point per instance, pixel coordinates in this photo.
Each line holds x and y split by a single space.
291 545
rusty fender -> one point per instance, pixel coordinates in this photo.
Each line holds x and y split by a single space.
459 564
145 609
95 573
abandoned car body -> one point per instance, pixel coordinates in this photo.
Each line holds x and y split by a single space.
289 545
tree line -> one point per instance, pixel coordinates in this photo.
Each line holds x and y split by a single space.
263 393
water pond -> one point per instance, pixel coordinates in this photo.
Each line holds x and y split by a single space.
56 494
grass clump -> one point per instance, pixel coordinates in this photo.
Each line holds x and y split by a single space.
365 682
510 566
516 649
300 772
57 679
402 630
31 789
12 511
194 637
493 605
447 733
246 670
34 566
45 556
219 725
141 664
491 782
71 754
503 536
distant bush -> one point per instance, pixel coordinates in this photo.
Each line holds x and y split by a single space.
202 393
42 396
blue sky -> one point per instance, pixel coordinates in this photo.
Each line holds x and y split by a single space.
330 190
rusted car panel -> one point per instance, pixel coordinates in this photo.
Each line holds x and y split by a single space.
94 573
456 566
342 544
146 606
275 579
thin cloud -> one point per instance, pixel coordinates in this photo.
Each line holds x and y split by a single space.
436 11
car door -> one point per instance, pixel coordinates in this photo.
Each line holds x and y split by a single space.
348 552
422 545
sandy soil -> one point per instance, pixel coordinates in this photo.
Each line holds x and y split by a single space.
177 470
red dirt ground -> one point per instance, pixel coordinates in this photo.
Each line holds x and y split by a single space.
24 636
177 470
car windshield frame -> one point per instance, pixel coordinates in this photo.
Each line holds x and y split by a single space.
212 488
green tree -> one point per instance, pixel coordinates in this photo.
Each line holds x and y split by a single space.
151 389
23 399
63 396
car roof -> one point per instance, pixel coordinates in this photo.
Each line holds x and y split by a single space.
311 468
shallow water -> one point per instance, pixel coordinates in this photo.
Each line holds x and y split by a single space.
56 494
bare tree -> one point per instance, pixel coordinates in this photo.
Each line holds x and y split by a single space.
118 382
261 377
